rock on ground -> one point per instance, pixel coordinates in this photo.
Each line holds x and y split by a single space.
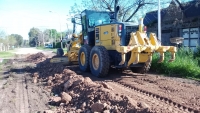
65 97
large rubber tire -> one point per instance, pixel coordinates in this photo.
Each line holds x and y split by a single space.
144 69
103 65
85 49
60 52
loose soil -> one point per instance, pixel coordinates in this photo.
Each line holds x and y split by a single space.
33 84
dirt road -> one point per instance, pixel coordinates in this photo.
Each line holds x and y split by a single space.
28 51
162 94
33 84
18 93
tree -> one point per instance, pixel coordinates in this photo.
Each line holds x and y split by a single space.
128 8
34 37
7 41
2 35
11 40
25 43
37 37
18 38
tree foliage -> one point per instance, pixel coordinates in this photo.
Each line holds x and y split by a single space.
18 38
128 8
33 36
9 41
38 37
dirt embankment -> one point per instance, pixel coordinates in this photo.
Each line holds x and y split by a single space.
72 90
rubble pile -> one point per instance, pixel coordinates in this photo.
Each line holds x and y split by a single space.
36 58
74 93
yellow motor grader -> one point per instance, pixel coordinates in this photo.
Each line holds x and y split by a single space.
106 43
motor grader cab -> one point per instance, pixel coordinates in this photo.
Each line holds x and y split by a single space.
108 43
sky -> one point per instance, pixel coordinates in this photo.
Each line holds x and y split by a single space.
19 16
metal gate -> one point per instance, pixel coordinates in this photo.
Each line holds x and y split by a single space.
191 37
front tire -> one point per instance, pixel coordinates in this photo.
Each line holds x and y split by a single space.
60 52
83 58
99 61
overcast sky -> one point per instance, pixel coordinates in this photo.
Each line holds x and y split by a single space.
18 16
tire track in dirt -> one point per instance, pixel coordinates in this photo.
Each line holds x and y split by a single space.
22 93
157 103
2 98
145 86
22 96
2 95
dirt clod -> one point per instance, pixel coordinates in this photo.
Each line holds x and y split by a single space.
66 97
83 105
56 99
68 84
106 111
106 86
48 111
97 107
34 80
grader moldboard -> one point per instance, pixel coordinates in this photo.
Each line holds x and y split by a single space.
105 42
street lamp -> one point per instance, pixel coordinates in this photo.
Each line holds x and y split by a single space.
60 27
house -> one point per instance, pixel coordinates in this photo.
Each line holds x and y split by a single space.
177 20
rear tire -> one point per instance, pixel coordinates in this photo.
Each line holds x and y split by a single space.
60 52
99 61
83 58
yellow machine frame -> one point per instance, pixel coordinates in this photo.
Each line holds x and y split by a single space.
140 46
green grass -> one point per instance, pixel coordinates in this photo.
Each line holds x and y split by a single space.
7 54
185 65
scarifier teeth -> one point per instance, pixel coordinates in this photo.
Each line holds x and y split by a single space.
161 57
172 57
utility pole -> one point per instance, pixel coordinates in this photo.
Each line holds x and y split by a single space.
43 39
55 38
159 22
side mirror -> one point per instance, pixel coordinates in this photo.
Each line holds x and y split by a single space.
73 20
117 8
112 15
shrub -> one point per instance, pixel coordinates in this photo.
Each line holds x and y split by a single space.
185 65
58 44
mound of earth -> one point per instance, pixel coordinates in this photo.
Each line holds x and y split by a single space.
36 58
74 93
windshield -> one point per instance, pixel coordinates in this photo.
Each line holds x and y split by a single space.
98 18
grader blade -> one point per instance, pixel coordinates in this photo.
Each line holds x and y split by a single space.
63 60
